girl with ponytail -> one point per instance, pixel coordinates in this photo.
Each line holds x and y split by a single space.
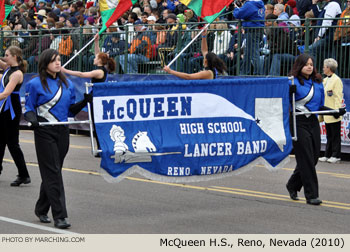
105 64
212 65
102 61
11 110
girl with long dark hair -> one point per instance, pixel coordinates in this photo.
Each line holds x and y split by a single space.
212 65
11 110
309 96
50 97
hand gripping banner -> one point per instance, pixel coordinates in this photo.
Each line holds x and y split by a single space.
183 131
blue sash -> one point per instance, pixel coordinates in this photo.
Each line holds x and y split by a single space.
3 104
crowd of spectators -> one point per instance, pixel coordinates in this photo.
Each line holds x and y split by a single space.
157 30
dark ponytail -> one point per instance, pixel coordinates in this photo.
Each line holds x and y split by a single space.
214 62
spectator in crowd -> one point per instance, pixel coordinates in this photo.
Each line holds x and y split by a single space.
280 13
269 8
293 5
170 4
144 17
343 33
303 6
325 33
139 51
283 50
253 13
333 92
309 96
45 41
31 9
171 39
11 111
148 9
212 65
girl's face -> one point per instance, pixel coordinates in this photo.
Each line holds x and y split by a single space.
97 60
9 58
54 66
307 70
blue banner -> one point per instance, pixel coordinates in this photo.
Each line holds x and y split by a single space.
191 130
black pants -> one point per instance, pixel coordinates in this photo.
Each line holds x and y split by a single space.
9 135
333 140
307 150
51 144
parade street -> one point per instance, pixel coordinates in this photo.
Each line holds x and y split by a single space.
254 202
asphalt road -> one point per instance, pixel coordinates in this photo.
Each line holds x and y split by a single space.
255 202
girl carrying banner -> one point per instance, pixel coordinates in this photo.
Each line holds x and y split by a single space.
11 110
105 65
212 65
50 97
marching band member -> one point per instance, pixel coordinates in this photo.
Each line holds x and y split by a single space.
309 96
104 64
50 97
212 65
11 110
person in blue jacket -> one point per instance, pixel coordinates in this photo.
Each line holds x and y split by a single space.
252 13
50 97
309 96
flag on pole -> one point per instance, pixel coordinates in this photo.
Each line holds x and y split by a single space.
209 10
5 10
111 10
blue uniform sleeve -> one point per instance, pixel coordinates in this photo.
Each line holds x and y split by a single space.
30 97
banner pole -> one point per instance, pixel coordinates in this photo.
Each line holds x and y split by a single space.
75 55
321 112
178 55
295 137
92 141
60 123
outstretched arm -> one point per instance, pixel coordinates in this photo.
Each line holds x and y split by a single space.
202 75
98 73
97 45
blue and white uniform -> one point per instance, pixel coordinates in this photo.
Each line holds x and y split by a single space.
51 142
309 97
10 115
51 106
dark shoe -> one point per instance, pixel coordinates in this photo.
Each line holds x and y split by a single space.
315 202
62 223
97 155
292 193
43 218
20 181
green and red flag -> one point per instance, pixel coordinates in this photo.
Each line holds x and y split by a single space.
111 10
209 10
5 10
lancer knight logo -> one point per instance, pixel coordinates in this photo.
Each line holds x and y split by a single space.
141 143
